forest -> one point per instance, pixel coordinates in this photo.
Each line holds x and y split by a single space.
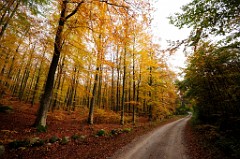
211 79
98 60
84 54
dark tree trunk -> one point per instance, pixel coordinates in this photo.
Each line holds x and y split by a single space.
133 83
45 100
38 78
150 94
123 87
94 91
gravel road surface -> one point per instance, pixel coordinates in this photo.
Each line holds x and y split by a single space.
166 142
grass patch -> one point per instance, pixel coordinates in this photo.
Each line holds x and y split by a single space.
41 128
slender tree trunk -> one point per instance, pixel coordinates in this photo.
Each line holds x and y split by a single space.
26 75
75 90
38 79
98 74
61 103
133 82
112 90
138 87
99 94
118 61
150 94
88 87
94 91
129 92
123 86
30 87
3 70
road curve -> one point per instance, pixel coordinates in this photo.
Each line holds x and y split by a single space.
165 142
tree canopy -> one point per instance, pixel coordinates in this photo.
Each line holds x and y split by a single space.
210 18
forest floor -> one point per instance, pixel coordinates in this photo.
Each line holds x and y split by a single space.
82 140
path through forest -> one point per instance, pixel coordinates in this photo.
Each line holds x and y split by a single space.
165 142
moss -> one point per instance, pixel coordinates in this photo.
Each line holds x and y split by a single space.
54 139
41 128
101 132
5 109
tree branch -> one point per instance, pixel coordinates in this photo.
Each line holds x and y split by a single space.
113 4
75 10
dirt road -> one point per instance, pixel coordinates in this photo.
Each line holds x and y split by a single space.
165 142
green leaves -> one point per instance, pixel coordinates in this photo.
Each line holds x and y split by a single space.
211 80
215 17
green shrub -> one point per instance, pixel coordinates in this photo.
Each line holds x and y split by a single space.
101 132
5 109
39 142
65 140
2 150
16 144
76 137
116 131
127 130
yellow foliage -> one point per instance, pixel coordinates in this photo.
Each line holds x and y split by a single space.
102 116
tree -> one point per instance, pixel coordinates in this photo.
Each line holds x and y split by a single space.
205 76
45 100
58 44
99 51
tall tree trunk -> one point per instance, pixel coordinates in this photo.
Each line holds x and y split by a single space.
138 87
112 89
118 61
96 79
36 87
129 92
75 90
150 82
45 100
26 74
30 87
94 91
54 105
88 87
99 94
123 86
133 82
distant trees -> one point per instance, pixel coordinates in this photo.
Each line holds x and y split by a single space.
211 80
94 54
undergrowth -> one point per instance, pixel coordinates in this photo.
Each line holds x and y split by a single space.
109 117
222 144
